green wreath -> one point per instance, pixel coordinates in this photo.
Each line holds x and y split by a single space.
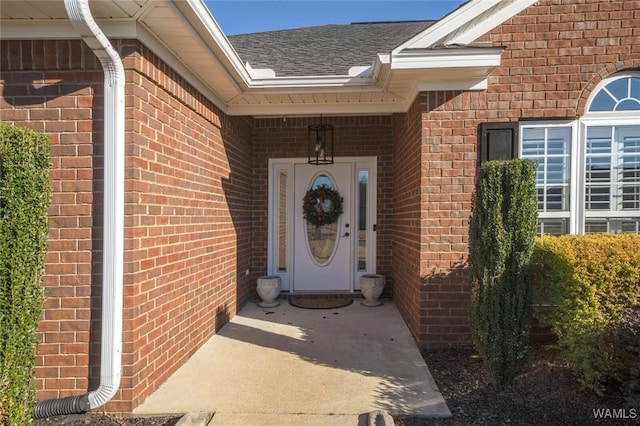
322 206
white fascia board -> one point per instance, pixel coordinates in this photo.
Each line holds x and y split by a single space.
63 30
448 25
504 13
311 81
447 58
214 30
312 90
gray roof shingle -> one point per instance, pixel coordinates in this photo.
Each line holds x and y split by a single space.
323 50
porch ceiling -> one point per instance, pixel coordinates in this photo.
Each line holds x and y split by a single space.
185 35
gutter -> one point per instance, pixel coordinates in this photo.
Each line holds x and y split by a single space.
113 238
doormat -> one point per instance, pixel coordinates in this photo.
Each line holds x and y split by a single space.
320 302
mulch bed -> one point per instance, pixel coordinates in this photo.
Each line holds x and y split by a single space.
96 419
545 394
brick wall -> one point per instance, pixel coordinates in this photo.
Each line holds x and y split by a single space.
556 53
448 165
354 136
188 221
55 87
406 240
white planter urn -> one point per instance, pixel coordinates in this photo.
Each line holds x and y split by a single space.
268 289
371 286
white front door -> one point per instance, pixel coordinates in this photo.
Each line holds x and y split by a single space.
331 257
322 259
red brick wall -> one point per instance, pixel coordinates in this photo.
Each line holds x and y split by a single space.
55 87
354 136
556 53
406 240
188 213
188 221
449 123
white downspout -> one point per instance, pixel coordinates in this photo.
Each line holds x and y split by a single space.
113 232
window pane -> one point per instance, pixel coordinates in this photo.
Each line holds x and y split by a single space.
598 197
553 227
557 140
363 181
322 239
282 221
598 168
613 226
603 102
599 140
622 94
635 87
613 168
619 88
630 226
595 226
629 168
628 105
550 147
533 142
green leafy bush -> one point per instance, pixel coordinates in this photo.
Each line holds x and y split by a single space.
502 232
25 193
590 282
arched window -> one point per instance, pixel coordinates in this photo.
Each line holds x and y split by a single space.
588 177
621 93
611 146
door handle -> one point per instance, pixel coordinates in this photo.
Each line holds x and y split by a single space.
346 234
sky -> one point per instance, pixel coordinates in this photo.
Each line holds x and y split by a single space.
244 16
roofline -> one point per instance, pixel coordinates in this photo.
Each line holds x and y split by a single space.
417 59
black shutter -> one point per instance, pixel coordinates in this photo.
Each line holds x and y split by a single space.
498 141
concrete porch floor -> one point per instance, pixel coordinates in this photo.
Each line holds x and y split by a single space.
287 365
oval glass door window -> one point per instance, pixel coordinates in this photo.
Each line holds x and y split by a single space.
322 239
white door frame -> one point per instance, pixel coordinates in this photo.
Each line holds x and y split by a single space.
280 219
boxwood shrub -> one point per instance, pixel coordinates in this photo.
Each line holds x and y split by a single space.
585 285
25 192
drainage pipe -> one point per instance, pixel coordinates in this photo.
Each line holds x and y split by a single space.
113 233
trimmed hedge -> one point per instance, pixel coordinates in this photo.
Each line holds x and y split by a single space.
589 282
25 193
502 231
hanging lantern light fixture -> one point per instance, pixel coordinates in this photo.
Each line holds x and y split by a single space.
320 143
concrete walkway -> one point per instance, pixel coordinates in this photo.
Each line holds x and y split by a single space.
287 365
